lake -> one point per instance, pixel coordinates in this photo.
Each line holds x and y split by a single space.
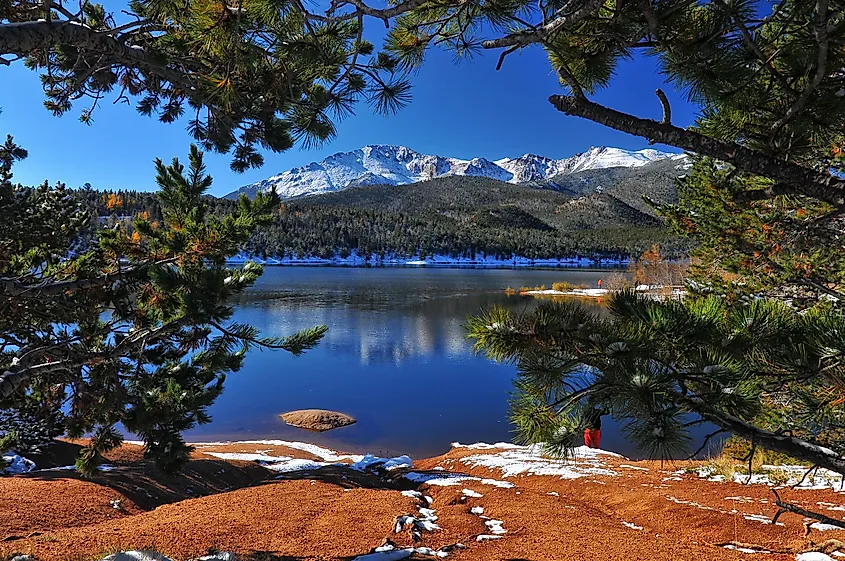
396 358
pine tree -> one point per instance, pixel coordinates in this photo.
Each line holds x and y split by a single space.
760 371
135 329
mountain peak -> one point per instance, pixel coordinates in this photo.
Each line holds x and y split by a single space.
391 164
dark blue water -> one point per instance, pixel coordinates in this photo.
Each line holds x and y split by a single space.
396 358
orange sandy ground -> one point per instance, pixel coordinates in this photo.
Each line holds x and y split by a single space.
336 514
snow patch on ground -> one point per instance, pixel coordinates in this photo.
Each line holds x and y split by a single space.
282 464
148 555
529 460
496 527
813 556
419 496
136 555
390 553
760 518
369 461
744 549
103 467
15 464
819 479
446 479
485 446
820 526
631 525
324 454
588 292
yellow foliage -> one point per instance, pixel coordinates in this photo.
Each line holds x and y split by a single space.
113 201
653 269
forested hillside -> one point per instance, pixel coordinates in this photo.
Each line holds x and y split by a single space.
628 184
456 216
461 216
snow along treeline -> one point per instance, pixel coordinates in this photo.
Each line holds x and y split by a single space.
480 260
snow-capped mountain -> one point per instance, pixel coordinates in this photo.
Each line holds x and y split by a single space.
398 165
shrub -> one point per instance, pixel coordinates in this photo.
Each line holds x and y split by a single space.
738 448
532 288
617 281
724 466
28 432
779 476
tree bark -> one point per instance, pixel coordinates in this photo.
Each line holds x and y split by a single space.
795 179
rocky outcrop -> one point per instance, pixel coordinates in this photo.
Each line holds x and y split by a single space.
319 420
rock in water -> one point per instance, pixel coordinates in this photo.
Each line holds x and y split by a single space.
319 420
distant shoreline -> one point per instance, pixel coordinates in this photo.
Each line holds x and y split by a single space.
437 261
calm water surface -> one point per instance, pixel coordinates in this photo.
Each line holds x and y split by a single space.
396 358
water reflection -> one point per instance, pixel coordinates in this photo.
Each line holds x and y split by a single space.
396 357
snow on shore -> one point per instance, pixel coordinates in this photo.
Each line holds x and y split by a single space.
655 291
529 460
278 463
586 292
509 459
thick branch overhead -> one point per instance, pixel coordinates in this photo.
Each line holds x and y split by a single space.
794 178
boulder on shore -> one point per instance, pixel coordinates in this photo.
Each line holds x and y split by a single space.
319 420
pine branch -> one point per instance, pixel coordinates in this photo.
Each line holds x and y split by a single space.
15 288
64 11
796 179
755 48
667 109
19 374
789 507
704 444
540 33
570 80
295 344
361 8
779 442
22 38
823 40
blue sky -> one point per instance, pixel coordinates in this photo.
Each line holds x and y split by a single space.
461 110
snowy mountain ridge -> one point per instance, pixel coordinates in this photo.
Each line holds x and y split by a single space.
380 164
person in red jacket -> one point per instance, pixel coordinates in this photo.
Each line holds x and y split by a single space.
592 427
